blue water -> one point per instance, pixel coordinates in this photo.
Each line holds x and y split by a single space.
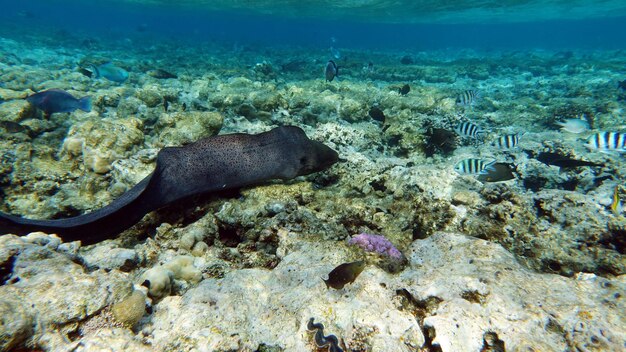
191 24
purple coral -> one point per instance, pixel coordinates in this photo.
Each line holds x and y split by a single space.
376 243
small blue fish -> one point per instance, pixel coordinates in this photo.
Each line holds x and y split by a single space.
110 72
58 100
331 71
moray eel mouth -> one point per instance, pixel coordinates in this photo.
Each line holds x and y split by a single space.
321 159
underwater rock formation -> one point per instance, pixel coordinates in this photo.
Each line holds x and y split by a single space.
455 287
55 292
100 143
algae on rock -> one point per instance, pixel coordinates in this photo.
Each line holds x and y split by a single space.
102 142
179 128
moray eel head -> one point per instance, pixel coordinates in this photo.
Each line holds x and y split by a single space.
320 157
308 156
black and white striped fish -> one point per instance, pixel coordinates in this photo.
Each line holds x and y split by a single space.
507 141
472 166
468 129
468 97
607 142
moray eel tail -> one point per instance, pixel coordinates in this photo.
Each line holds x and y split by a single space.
91 227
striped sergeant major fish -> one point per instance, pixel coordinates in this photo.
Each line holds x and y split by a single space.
468 129
607 142
468 97
472 166
507 141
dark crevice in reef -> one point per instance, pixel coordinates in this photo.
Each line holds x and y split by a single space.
491 343
6 268
324 179
268 348
551 266
74 335
68 212
190 210
554 327
474 297
229 236
615 239
430 217
429 335
378 185
420 308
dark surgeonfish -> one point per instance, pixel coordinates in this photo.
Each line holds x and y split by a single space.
344 274
497 172
562 161
57 100
212 164
377 114
404 90
331 71
439 140
14 127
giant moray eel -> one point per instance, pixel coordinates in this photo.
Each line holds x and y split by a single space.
209 165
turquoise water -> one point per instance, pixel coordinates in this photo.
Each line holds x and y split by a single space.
582 24
482 142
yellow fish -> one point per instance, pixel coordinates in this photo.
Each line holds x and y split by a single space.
616 205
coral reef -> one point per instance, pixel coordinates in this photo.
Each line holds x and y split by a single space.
131 309
536 262
375 243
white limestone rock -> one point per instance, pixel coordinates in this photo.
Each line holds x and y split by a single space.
484 289
255 306
458 293
112 339
480 292
53 289
109 256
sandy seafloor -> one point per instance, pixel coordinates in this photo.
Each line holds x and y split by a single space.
532 264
